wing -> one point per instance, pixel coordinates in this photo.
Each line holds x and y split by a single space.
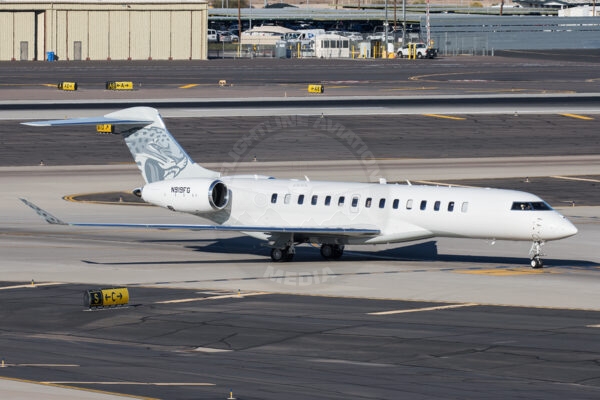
272 230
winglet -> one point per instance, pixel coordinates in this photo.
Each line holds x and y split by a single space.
51 219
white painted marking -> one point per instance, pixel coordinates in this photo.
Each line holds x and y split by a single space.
210 350
128 383
227 296
47 365
423 309
348 362
30 285
572 178
593 326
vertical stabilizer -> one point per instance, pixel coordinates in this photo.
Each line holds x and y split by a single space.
155 151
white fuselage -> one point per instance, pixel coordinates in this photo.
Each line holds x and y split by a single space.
400 212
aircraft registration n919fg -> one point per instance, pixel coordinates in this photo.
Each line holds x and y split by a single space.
288 212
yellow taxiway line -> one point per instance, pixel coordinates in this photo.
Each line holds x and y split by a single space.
445 117
577 116
504 271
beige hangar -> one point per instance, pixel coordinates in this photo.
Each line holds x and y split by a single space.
103 30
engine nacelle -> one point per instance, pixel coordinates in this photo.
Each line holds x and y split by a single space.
190 195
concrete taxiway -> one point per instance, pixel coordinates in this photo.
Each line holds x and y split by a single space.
211 317
211 344
210 313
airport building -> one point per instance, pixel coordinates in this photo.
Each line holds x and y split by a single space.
103 30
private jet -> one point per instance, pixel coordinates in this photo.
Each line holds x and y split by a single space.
288 212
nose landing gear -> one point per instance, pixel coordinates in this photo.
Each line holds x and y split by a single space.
535 253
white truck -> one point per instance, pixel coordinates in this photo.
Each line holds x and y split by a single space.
421 49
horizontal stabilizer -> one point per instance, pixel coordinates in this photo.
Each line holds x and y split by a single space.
89 121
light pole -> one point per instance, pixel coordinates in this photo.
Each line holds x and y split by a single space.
385 30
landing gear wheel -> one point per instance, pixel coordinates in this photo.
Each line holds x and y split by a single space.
285 254
536 253
332 251
536 262
327 251
338 251
277 254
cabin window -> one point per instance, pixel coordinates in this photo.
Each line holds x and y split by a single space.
423 205
287 198
327 200
368 202
436 206
395 204
341 201
409 204
274 198
314 199
451 206
381 203
465 207
301 199
355 202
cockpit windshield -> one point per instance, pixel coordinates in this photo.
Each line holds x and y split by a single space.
531 206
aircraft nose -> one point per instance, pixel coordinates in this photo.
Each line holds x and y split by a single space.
569 228
563 228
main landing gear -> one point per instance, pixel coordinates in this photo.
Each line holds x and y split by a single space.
286 253
536 253
283 254
332 251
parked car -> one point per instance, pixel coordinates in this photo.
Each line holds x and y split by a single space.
422 51
227 37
